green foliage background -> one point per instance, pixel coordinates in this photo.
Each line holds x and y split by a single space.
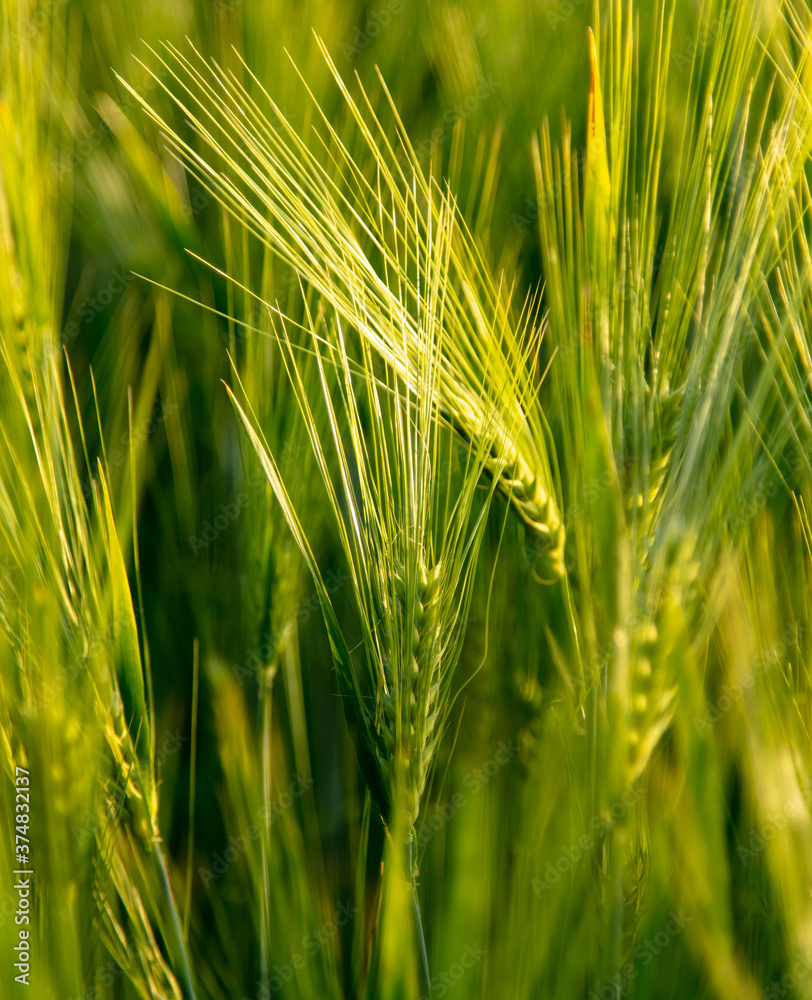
539 875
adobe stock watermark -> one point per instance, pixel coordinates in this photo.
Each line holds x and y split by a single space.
588 493
562 11
783 987
271 642
440 984
553 191
95 304
733 693
32 27
140 433
769 830
473 782
228 513
600 824
90 307
106 976
745 509
95 820
266 816
485 89
222 7
644 954
258 308
311 944
92 138
377 22
707 34
641 620
96 641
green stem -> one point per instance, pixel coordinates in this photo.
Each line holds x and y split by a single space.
265 902
425 981
177 945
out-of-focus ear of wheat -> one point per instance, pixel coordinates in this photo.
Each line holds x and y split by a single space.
76 697
671 356
653 323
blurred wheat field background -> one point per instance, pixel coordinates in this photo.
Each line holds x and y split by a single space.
405 468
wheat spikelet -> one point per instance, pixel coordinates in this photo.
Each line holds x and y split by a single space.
537 507
410 703
660 638
651 700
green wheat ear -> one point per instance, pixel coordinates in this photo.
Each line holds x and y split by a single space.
71 592
410 535
421 723
344 233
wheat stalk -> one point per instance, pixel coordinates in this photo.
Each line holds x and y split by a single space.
409 532
410 544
